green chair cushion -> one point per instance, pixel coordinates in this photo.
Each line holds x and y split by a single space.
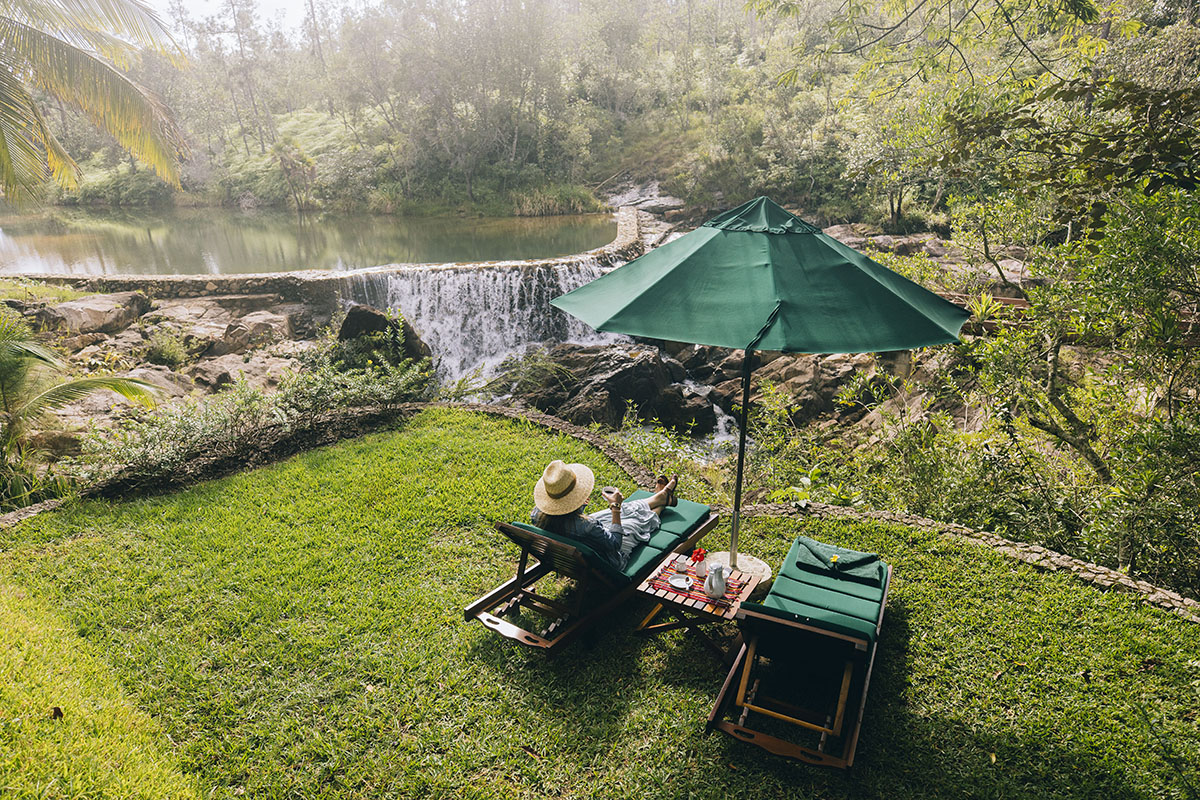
829 599
825 598
813 557
676 522
785 608
873 594
642 558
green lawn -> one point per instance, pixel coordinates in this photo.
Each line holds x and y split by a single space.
296 631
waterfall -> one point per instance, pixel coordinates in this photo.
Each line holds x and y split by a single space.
472 316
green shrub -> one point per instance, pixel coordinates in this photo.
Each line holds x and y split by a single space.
24 481
167 347
159 446
122 187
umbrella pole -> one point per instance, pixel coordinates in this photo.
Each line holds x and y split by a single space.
747 362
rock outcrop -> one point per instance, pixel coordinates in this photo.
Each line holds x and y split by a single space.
684 386
186 346
600 383
97 313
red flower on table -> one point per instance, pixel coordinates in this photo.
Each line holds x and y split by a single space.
698 554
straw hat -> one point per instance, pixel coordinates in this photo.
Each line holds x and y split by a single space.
563 488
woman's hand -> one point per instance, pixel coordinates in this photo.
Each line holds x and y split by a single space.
614 505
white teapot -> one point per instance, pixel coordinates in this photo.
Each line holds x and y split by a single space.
714 582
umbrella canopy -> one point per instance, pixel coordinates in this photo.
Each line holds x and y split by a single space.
759 278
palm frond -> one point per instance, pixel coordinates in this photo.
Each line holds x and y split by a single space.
12 349
23 167
137 119
139 391
121 52
62 166
99 25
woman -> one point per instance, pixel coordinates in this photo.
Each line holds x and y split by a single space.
562 493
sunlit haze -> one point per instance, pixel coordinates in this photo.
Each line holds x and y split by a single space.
291 14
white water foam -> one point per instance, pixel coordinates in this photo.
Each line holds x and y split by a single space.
472 317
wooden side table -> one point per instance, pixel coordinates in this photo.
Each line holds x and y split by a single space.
690 612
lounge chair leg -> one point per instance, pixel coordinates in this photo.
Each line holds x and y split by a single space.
649 617
746 667
842 695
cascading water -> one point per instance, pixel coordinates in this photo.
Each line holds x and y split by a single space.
474 316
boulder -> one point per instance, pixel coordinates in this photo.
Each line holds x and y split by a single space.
811 383
687 410
211 373
938 248
362 320
200 321
98 313
607 379
257 329
128 342
260 369
851 235
647 196
58 443
235 339
302 321
267 326
172 384
73 344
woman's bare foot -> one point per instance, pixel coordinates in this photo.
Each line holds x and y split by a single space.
661 484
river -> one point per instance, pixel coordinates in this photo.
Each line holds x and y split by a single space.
223 241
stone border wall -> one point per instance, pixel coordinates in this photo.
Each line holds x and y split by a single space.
324 288
342 425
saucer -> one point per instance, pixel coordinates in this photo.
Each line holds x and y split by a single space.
680 581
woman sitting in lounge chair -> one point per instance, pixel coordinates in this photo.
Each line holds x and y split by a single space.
562 493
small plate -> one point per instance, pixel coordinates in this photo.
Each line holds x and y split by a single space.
680 581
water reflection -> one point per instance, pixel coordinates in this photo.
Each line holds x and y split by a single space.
205 240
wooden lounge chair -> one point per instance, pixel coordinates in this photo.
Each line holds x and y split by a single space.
599 587
798 685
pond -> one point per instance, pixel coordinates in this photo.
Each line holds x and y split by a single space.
223 241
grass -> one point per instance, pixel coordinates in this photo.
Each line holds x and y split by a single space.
37 292
296 631
64 720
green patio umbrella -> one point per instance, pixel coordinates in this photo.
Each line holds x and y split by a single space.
759 278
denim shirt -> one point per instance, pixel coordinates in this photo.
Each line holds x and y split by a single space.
605 539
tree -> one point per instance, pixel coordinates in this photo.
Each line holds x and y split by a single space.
74 50
1084 138
980 39
298 170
